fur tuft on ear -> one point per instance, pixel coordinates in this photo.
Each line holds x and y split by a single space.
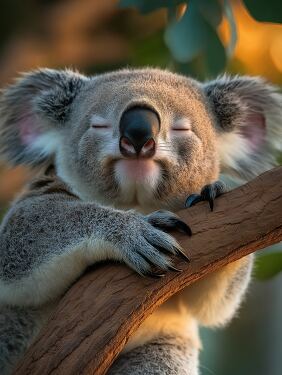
248 119
32 112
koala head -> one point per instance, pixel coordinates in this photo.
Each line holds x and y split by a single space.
144 137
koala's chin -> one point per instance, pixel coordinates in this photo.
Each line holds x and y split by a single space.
137 180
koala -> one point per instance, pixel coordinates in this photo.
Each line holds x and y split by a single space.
118 155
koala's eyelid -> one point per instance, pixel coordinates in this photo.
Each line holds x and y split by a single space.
99 122
100 126
182 125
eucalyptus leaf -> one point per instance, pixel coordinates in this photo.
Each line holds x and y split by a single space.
268 265
265 11
195 36
187 37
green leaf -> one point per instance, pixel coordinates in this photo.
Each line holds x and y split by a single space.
268 265
265 11
187 37
146 6
194 36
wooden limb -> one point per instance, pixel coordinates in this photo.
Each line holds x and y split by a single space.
98 314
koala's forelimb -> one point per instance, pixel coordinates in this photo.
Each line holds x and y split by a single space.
37 267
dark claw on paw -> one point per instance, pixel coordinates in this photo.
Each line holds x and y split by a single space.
182 254
211 204
193 199
183 227
208 193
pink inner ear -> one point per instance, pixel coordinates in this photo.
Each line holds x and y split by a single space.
254 130
28 130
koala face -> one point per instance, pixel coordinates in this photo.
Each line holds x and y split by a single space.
144 137
93 158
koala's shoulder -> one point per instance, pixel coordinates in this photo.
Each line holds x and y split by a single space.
47 182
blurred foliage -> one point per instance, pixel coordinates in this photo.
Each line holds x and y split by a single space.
152 49
195 36
201 35
268 265
191 35
270 11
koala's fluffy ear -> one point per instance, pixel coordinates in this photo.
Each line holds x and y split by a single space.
248 117
32 113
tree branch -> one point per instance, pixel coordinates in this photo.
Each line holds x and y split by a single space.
100 311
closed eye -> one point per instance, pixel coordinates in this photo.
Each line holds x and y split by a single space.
181 129
182 125
100 126
99 123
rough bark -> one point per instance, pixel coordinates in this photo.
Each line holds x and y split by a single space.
101 310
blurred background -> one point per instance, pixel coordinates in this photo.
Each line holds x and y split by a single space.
200 38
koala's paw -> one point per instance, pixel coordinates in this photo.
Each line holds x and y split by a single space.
147 249
208 193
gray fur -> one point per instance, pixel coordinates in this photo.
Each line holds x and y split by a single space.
18 327
76 215
166 355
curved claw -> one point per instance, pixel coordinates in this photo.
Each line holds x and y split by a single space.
193 199
211 203
182 254
209 194
183 227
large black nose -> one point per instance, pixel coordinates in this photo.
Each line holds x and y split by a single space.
138 131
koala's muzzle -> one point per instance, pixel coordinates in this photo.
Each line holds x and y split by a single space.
139 128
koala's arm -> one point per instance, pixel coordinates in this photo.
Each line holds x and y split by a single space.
214 300
49 237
